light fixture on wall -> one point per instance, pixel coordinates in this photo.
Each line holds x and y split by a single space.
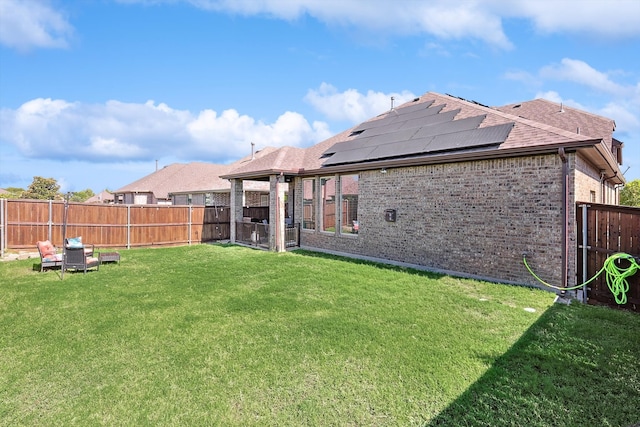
383 170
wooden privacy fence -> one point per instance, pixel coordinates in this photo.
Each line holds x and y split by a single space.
24 222
604 230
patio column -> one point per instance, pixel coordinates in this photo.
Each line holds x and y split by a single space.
236 206
276 213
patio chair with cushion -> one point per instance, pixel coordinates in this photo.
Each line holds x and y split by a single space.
49 256
76 259
76 242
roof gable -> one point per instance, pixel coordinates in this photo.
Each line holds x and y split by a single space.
563 117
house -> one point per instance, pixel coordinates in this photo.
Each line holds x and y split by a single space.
105 197
195 183
447 184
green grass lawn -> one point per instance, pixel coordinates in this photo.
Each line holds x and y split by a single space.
225 335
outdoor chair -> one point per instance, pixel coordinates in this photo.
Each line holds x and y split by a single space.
76 259
76 242
49 256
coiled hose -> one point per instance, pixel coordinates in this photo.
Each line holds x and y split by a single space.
616 276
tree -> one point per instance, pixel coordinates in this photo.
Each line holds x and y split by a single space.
81 196
42 189
12 193
630 194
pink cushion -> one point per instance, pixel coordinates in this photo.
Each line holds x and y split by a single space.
46 249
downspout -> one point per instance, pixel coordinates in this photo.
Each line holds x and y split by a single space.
565 218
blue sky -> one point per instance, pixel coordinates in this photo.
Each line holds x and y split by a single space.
93 93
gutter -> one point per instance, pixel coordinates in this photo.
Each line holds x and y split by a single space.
453 157
420 160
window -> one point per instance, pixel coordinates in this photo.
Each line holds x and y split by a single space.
180 199
308 204
140 199
592 196
328 203
349 203
197 199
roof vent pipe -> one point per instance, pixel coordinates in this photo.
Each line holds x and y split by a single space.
392 98
561 107
253 155
578 130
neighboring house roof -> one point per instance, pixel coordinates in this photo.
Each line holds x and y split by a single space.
180 177
195 177
441 128
3 191
102 197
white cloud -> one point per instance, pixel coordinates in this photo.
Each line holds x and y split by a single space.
351 105
117 131
582 73
33 23
439 18
611 18
622 100
476 19
28 24
606 95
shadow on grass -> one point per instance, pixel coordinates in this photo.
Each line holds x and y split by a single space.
576 366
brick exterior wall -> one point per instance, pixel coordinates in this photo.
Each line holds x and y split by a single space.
587 181
474 218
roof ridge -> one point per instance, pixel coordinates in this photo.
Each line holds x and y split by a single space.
562 105
523 120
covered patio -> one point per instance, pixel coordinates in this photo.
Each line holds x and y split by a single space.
278 231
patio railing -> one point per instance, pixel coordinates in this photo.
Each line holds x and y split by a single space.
257 234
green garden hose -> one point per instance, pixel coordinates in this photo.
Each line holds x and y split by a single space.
615 275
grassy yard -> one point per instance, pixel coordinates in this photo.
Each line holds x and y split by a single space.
224 335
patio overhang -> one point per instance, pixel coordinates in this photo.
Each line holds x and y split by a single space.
265 175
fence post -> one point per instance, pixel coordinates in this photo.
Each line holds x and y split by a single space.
128 226
49 222
189 226
585 247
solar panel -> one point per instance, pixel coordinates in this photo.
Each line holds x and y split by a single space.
382 129
399 114
450 127
347 145
413 107
349 156
430 120
471 138
399 149
397 136
413 131
404 115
